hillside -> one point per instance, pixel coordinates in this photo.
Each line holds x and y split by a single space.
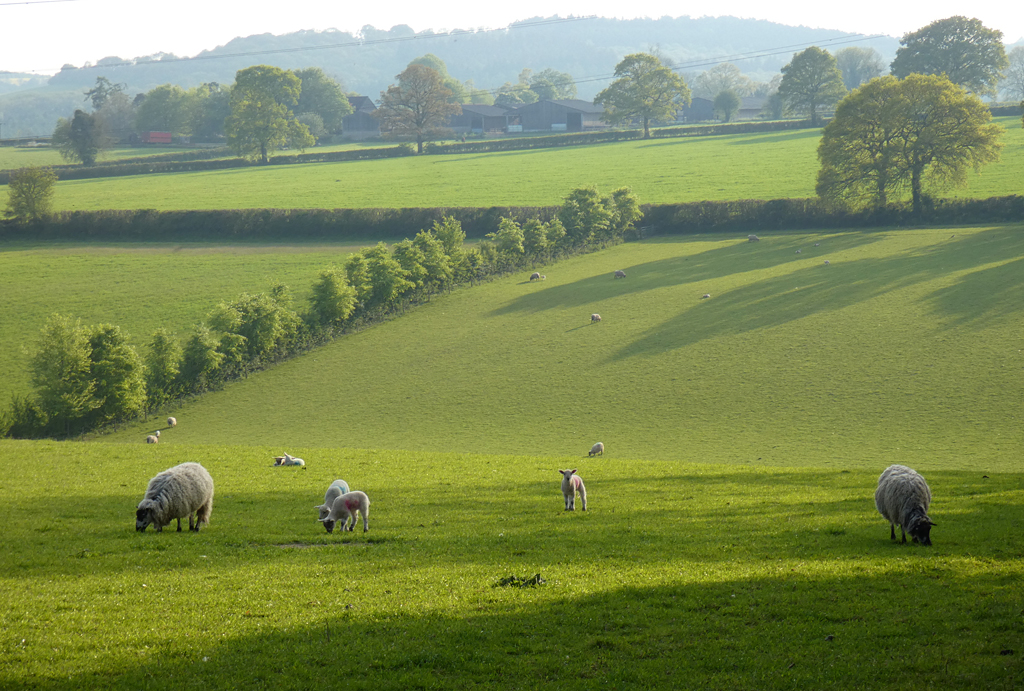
906 347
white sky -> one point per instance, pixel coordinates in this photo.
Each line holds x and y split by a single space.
42 35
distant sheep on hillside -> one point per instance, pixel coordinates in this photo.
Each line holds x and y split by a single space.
753 238
620 274
597 448
535 276
595 318
172 422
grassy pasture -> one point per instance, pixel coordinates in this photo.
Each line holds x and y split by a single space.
747 166
679 575
12 158
906 348
140 287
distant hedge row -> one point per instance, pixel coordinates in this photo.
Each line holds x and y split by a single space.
261 224
746 216
752 216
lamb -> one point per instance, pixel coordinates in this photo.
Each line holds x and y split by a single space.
798 251
597 448
288 460
620 274
152 439
705 296
346 507
571 484
595 318
175 493
171 422
337 488
753 238
902 498
535 276
826 262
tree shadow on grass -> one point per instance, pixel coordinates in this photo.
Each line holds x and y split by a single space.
986 293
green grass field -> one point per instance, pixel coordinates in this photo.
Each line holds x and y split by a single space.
750 166
139 287
906 347
679 575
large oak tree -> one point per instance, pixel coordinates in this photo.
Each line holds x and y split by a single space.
963 49
810 81
261 119
417 108
644 88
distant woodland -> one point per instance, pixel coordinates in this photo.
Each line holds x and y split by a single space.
366 63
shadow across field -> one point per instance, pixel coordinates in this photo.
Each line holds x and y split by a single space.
910 627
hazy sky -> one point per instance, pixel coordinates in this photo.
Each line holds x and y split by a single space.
42 35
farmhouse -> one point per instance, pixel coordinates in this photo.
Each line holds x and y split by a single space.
478 119
360 124
751 107
571 115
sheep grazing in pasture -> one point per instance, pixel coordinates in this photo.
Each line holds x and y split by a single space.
620 274
753 238
798 251
152 439
705 296
902 498
177 492
816 244
826 262
172 422
543 277
337 488
288 460
597 448
595 318
535 276
571 485
346 507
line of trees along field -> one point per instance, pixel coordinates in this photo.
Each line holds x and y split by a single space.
88 376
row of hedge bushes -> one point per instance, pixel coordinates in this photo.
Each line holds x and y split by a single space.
748 216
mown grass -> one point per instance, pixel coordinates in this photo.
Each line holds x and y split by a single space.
679 576
748 166
905 348
12 158
139 287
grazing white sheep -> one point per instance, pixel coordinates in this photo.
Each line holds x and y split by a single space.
346 507
597 448
535 276
826 262
595 318
152 439
902 498
753 238
816 244
705 296
798 251
288 460
571 484
620 274
337 488
172 422
177 492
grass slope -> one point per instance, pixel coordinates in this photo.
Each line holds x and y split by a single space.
747 166
139 287
905 349
679 575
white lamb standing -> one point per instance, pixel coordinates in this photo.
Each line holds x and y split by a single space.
172 422
753 238
174 494
152 438
597 448
595 318
902 498
620 274
337 488
346 507
571 484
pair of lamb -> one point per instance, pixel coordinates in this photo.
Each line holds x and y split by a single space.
155 437
537 276
288 460
341 503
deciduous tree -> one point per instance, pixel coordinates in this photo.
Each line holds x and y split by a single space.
812 80
1013 76
333 299
65 390
970 54
80 139
323 96
892 134
163 109
118 375
261 119
858 65
163 368
30 193
417 108
644 88
727 104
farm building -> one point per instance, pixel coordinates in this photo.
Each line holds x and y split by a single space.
751 107
360 124
560 116
477 119
699 110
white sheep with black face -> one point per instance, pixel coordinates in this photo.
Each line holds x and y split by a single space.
177 492
902 498
572 484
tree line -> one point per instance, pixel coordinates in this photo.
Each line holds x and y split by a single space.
85 377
